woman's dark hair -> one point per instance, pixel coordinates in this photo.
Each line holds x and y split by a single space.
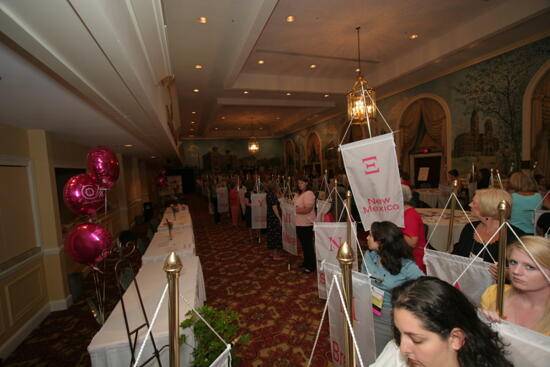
307 181
453 173
393 247
485 179
441 308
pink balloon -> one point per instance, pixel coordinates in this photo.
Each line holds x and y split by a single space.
162 172
103 166
161 181
88 244
82 195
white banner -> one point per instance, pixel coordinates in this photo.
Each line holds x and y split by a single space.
223 359
242 191
223 200
363 322
323 207
290 242
371 167
259 211
449 267
525 347
329 237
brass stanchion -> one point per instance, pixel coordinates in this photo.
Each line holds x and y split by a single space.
345 258
452 217
172 267
502 207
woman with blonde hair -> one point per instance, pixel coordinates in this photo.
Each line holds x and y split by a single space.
525 200
484 208
527 298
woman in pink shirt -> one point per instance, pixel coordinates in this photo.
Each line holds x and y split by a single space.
234 204
414 229
305 216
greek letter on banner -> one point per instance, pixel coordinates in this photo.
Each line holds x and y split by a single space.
363 322
289 227
373 174
259 211
329 237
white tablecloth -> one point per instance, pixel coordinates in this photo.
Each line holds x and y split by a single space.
429 196
182 243
183 219
439 237
109 347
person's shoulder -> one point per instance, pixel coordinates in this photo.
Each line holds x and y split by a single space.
409 267
391 356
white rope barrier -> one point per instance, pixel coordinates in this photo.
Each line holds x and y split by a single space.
321 323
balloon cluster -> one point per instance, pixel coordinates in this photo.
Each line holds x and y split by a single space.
84 194
161 180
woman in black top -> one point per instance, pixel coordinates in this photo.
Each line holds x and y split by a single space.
484 207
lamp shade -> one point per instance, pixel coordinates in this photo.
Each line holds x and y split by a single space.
359 103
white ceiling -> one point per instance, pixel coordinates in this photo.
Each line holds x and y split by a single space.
62 68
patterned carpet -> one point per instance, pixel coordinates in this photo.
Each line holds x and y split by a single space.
279 304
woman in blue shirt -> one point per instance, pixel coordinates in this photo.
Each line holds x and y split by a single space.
525 200
390 263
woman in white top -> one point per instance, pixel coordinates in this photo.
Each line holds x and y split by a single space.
305 216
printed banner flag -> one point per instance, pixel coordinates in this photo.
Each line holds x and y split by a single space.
259 211
363 322
323 207
329 237
371 167
223 200
525 347
448 267
242 191
223 359
290 242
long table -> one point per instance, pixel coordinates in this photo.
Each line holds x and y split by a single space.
181 220
182 243
438 239
109 347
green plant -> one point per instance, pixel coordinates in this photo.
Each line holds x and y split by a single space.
208 345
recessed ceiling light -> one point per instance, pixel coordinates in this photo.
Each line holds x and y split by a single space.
357 70
290 19
215 128
128 145
413 36
245 92
277 118
193 122
326 95
288 94
193 112
261 62
312 66
203 20
198 66
196 90
238 128
261 128
191 135
223 117
153 156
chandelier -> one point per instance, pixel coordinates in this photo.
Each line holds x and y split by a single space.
253 145
361 99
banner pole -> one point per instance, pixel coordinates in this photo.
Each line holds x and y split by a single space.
336 200
348 221
452 217
173 267
345 258
502 206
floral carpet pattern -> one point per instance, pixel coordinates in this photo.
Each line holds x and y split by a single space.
279 304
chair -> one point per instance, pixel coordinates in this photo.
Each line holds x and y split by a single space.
141 246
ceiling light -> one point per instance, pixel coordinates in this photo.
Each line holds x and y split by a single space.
357 70
413 36
198 66
238 128
361 98
191 135
312 66
128 145
290 19
245 92
261 62
153 156
223 117
261 128
326 95
203 20
193 122
193 112
196 90
215 128
253 145
288 94
277 118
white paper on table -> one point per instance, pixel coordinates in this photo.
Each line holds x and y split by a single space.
423 173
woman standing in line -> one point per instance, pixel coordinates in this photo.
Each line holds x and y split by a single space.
304 200
525 200
389 262
274 230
